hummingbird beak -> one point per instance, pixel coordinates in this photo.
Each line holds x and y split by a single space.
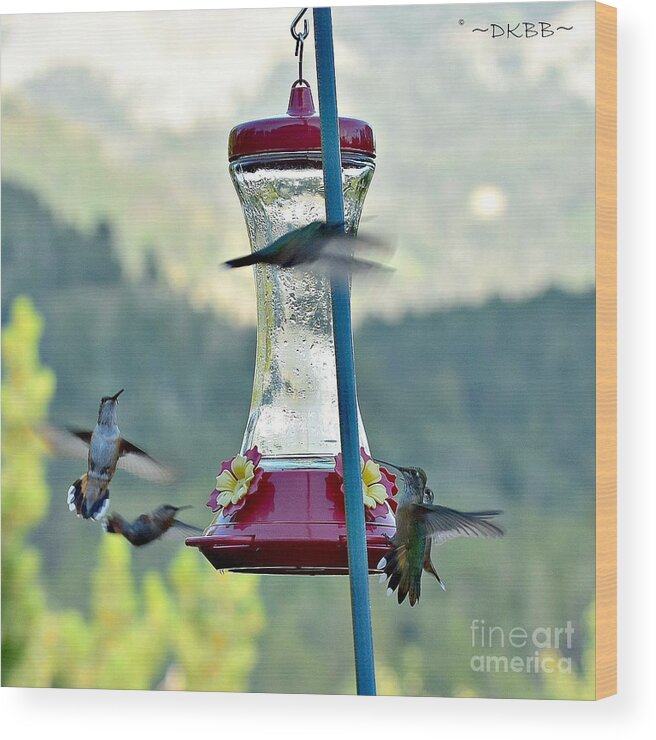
181 508
116 395
387 464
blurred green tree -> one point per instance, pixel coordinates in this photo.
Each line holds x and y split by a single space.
179 631
26 392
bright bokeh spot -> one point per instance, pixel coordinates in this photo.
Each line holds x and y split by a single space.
487 202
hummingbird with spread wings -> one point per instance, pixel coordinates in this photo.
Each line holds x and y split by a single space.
105 450
419 524
323 245
149 527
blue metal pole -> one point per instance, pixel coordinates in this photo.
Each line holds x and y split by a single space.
345 363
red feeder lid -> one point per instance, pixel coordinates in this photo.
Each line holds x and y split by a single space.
298 131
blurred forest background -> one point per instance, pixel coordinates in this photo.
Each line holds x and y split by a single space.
475 360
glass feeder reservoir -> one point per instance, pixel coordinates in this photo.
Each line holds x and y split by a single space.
292 519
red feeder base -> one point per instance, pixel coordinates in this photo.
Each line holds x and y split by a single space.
293 524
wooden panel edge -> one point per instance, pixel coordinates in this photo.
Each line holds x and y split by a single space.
606 350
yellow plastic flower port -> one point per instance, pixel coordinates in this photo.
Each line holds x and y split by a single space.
378 484
237 476
373 491
232 484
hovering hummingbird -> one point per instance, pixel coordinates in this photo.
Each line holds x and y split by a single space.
318 242
419 523
149 527
105 449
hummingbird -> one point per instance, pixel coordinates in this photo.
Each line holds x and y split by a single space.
318 242
105 449
419 524
149 527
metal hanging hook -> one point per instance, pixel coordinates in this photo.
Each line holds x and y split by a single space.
299 37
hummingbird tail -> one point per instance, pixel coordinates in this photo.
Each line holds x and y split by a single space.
410 586
98 510
402 579
248 259
75 498
79 502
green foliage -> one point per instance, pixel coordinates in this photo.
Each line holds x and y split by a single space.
212 624
75 169
59 267
26 391
182 632
185 630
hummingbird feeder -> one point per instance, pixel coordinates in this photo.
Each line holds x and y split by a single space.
279 504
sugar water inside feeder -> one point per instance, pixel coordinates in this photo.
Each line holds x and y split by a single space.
294 414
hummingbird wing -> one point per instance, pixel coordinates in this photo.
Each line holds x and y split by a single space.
181 530
351 263
442 524
67 442
345 244
428 564
342 252
134 460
